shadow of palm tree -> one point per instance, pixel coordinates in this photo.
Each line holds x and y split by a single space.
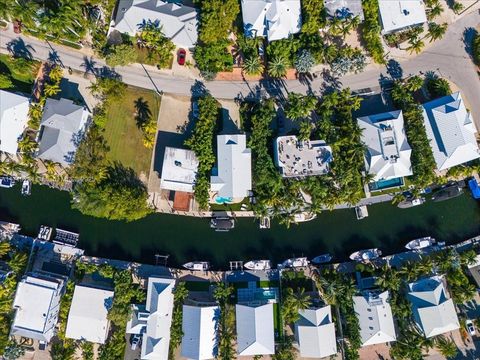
468 36
124 176
143 112
18 48
54 58
89 64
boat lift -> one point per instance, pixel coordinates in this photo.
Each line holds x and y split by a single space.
159 259
236 265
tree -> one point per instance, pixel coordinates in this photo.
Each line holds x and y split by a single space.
292 303
108 89
446 347
18 262
277 67
434 11
371 30
457 7
5 81
216 20
152 37
4 248
300 106
416 45
13 351
55 75
436 31
87 350
414 83
253 65
284 350
344 64
121 55
438 87
304 61
51 90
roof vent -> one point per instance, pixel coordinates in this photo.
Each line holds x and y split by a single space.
124 9
406 12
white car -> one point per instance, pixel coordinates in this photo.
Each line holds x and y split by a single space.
135 341
470 327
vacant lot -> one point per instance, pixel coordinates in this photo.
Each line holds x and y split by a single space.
123 134
22 76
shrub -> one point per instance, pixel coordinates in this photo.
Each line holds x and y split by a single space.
371 31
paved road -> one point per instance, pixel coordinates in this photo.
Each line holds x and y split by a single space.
447 55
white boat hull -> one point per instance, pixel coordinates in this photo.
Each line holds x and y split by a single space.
258 265
196 266
366 255
421 243
295 263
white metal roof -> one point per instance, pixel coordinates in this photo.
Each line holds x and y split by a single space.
255 333
87 319
315 333
234 166
274 19
178 22
388 151
375 317
36 303
451 131
179 170
432 311
13 120
199 326
400 14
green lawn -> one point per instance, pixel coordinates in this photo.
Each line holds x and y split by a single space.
122 133
268 284
198 285
277 321
22 80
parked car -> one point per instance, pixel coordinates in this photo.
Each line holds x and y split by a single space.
470 327
17 27
135 341
181 55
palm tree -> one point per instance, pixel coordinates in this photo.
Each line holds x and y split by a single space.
4 248
277 67
468 258
434 11
50 170
18 262
389 279
51 90
414 83
446 347
253 66
416 45
436 31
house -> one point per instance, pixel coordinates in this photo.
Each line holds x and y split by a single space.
401 14
36 305
343 9
273 19
315 333
232 177
255 333
154 319
61 130
375 317
433 312
178 21
87 319
179 170
451 131
388 152
474 270
199 326
300 158
13 120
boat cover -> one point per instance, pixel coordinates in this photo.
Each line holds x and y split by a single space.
474 188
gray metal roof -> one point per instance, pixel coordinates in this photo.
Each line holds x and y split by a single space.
255 334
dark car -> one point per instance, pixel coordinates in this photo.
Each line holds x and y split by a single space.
181 55
17 27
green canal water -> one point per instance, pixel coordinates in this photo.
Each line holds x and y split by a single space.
185 239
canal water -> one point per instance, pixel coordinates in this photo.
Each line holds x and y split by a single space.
186 239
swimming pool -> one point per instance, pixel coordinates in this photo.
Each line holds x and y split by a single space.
265 294
223 200
385 184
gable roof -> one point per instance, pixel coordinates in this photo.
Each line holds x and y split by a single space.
432 311
451 131
274 19
344 8
375 317
388 152
400 14
234 166
315 333
13 120
255 333
179 22
87 319
199 326
62 127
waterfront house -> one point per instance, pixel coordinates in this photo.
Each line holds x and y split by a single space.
273 19
375 317
343 9
13 120
61 130
255 333
153 320
315 333
87 319
300 158
232 176
177 21
387 155
179 170
474 270
433 312
199 327
399 15
451 131
36 305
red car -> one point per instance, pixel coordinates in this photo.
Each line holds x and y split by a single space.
181 55
17 27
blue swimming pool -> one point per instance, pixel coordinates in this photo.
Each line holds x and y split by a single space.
223 200
386 184
265 294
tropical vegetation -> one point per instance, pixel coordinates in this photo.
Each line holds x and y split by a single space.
226 328
371 30
476 48
180 294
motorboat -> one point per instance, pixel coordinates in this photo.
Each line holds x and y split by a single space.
222 223
408 203
366 255
7 182
258 265
447 193
26 187
420 243
264 222
322 259
197 266
361 212
295 262
303 217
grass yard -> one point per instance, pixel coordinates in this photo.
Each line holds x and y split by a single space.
268 284
198 285
277 321
123 135
22 80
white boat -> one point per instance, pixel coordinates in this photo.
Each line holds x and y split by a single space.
405 204
365 255
197 266
258 265
322 259
7 182
361 212
295 262
264 222
26 187
420 243
303 217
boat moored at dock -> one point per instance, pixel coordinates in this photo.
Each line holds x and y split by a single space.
322 259
408 203
26 187
420 243
294 263
197 266
222 223
449 192
366 255
7 182
258 265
